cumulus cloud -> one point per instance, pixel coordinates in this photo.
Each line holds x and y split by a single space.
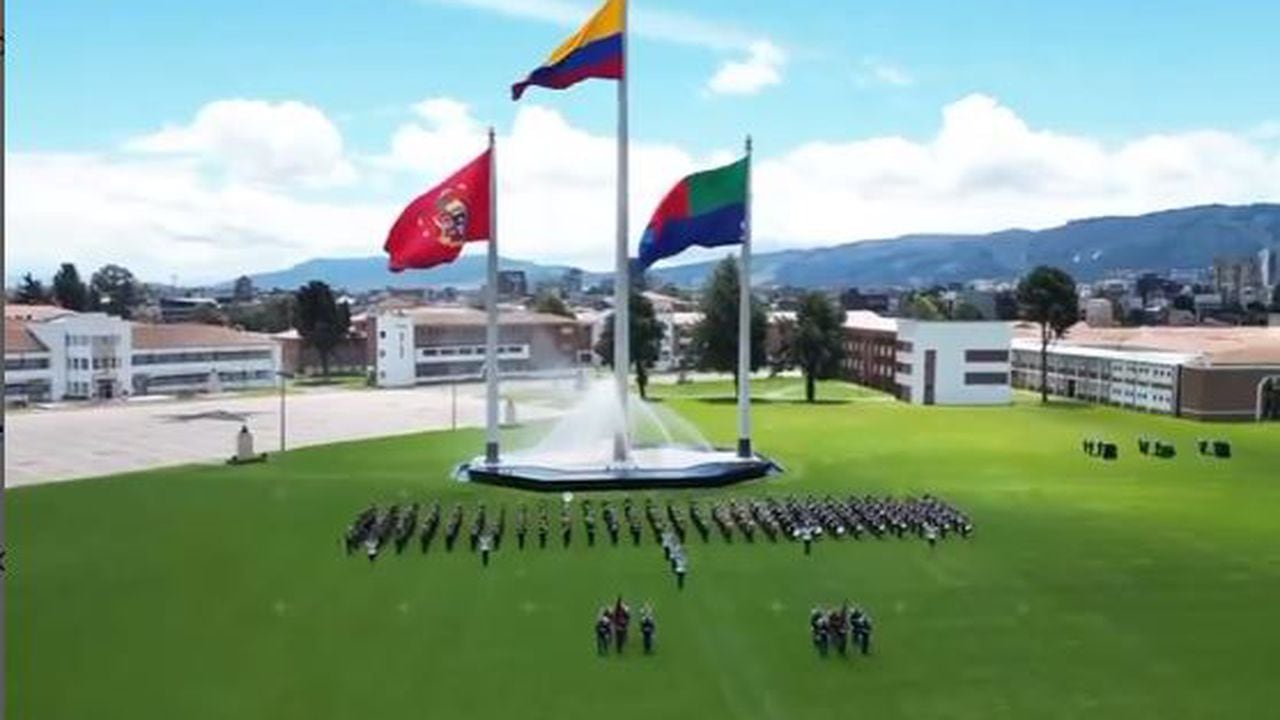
258 141
761 68
985 168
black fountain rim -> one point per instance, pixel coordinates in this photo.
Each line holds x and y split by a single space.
710 474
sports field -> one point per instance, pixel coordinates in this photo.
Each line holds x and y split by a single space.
1141 588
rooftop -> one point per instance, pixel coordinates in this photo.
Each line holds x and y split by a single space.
466 316
37 313
868 320
147 336
17 338
1212 345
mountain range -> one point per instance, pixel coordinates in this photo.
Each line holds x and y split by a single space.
1187 238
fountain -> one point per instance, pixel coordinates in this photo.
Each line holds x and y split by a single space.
663 450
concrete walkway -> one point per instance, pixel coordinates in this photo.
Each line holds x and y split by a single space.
75 442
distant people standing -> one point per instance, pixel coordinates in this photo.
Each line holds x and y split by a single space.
486 545
603 628
647 628
861 623
621 621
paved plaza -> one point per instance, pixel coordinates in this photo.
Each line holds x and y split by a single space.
49 445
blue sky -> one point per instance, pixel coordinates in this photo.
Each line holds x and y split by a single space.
87 78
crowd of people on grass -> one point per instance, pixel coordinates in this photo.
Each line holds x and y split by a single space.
612 624
837 627
805 520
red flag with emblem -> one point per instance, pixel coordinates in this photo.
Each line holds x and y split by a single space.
433 228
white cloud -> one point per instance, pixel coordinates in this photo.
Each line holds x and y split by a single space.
874 71
258 141
984 169
761 68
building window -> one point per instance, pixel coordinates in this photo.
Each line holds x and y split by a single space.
904 368
986 356
904 346
986 378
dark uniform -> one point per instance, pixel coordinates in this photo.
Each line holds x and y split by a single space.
647 628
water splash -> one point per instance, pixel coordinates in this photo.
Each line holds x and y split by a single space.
584 436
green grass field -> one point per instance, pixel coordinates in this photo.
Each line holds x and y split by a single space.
1137 589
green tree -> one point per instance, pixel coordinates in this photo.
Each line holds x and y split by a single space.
69 291
322 322
646 339
551 304
1047 297
116 289
31 291
817 341
715 338
920 306
966 311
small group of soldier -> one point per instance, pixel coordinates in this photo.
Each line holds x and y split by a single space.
612 624
836 626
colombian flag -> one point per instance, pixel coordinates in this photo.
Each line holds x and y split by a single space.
707 209
595 51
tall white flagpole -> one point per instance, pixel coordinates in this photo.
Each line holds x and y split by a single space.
491 329
621 276
744 325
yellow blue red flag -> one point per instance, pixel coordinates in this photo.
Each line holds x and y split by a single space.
595 51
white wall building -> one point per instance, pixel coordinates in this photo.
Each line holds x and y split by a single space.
953 363
53 354
1142 380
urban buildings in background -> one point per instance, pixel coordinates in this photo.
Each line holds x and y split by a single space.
53 354
1205 373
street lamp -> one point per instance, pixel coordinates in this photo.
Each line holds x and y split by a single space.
283 377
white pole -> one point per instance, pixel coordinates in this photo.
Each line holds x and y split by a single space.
621 279
491 330
744 325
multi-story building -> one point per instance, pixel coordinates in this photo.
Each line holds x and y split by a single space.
1207 373
437 344
870 350
53 354
953 363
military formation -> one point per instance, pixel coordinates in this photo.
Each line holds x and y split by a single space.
670 523
803 520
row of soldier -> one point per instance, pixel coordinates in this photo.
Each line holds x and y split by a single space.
789 518
612 624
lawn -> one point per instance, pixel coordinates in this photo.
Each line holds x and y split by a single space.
1141 588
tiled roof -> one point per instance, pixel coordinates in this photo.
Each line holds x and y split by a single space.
148 336
1217 345
18 338
38 313
465 316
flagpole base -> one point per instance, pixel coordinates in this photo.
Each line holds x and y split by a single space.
744 447
619 448
491 453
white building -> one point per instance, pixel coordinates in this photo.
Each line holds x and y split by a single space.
1142 380
953 363
53 354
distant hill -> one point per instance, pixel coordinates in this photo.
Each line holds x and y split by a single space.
1088 249
370 273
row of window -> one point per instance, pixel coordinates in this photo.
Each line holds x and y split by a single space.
469 350
986 378
99 363
166 358
81 340
33 390
986 356
26 364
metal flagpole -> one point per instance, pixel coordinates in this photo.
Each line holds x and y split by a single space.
491 331
744 324
621 276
